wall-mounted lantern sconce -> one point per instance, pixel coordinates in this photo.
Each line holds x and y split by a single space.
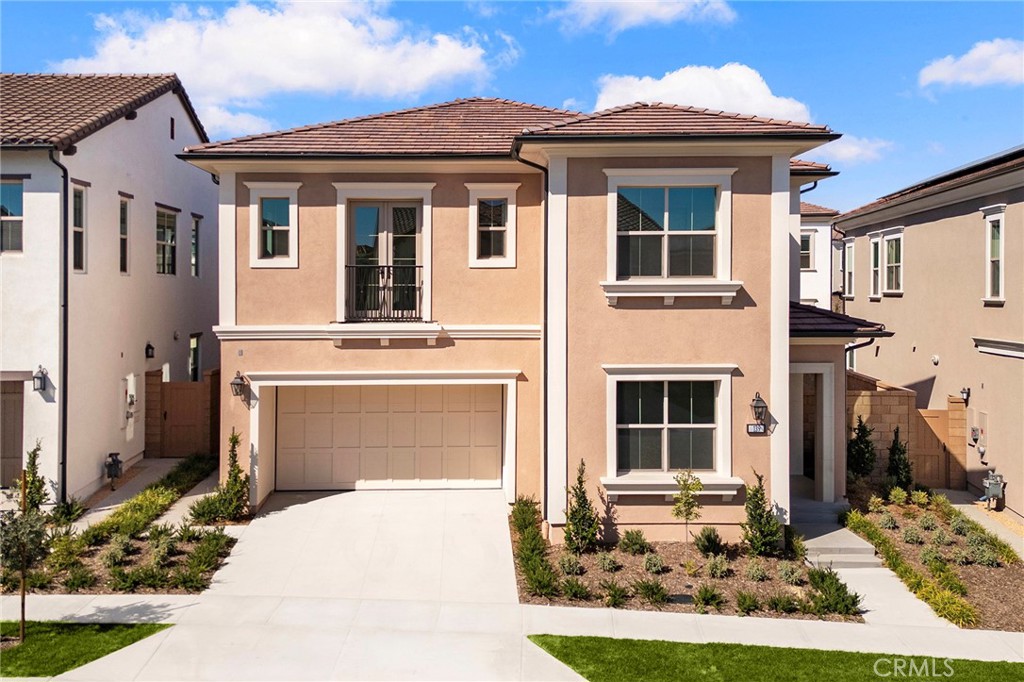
39 379
150 351
759 408
238 385
965 393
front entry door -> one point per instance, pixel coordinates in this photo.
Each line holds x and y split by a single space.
385 274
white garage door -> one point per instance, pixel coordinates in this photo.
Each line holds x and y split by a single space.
345 437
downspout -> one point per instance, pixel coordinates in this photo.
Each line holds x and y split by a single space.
862 344
544 240
813 186
63 463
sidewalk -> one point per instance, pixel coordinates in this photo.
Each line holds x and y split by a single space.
965 502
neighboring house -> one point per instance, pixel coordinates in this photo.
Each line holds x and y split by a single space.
941 263
484 293
136 265
816 245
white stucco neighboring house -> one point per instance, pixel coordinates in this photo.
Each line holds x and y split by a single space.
816 254
137 288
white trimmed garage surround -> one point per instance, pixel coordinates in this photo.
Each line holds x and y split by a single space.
400 430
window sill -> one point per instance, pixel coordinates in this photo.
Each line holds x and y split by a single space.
892 294
671 289
656 484
282 262
496 263
847 298
339 332
993 302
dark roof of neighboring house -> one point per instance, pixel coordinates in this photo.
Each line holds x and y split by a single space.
59 110
1006 161
484 126
810 321
660 120
814 210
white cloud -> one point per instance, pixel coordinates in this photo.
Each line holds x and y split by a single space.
240 56
616 16
851 150
733 87
991 62
572 104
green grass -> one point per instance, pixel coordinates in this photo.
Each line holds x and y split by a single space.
51 648
600 659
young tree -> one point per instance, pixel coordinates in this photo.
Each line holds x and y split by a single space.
22 545
899 471
581 519
762 531
236 488
687 505
32 484
860 451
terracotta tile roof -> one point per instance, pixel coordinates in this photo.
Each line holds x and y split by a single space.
805 165
810 321
809 209
479 126
59 110
1008 161
657 119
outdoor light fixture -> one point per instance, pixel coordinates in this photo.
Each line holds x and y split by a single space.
39 379
238 385
150 351
965 393
760 408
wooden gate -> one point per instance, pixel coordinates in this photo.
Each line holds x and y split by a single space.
12 416
182 417
929 456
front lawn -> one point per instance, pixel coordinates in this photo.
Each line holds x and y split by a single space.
52 648
601 659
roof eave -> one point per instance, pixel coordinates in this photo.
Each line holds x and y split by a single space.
541 138
874 334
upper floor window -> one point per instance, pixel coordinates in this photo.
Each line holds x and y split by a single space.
894 264
806 251
122 236
11 215
78 218
995 217
876 268
194 246
848 268
492 225
273 224
166 242
195 370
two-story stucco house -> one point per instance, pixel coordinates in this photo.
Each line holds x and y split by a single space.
817 245
483 293
108 265
941 263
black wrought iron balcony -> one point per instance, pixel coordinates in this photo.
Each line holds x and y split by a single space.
384 293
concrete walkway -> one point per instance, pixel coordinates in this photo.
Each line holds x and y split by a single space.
179 510
965 502
150 471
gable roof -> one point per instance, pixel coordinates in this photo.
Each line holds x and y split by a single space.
660 120
59 110
807 321
814 210
1007 161
477 126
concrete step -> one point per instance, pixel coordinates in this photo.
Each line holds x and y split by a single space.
843 561
831 538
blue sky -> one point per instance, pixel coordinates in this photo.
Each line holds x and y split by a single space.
916 87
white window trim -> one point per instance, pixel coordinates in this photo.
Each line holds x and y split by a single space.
849 269
875 292
177 239
21 218
195 236
385 191
127 236
890 237
992 214
669 288
719 482
84 229
506 191
273 190
810 246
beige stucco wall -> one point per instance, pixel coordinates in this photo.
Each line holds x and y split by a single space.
644 331
939 313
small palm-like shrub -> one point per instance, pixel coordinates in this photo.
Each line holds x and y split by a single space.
919 498
634 542
607 563
876 504
691 568
67 512
747 602
718 566
782 603
654 564
651 591
615 595
791 574
574 589
570 564
708 596
756 571
189 533
708 541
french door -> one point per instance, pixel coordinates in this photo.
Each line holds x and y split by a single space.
385 273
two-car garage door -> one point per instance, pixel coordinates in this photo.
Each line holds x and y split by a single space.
345 437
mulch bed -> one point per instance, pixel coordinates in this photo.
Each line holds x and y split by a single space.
997 593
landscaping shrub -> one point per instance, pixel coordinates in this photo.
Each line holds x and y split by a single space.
897 496
961 557
781 602
912 536
961 525
615 595
634 542
541 579
718 566
830 594
756 571
160 531
888 521
941 538
570 564
686 501
919 497
189 580
36 494
79 578
208 551
38 580
795 544
230 501
581 519
762 531
691 568
188 533
525 514
930 554
574 589
952 607
117 551
876 504
708 596
946 577
607 563
65 553
928 522
899 470
67 512
654 564
651 591
708 541
985 556
531 545
791 574
860 451
747 602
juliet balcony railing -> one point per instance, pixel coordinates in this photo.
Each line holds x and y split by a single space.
384 293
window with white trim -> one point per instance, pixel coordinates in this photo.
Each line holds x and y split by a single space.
122 236
194 246
851 359
848 269
78 214
995 217
665 425
876 267
11 215
893 263
807 250
492 225
195 370
166 242
273 224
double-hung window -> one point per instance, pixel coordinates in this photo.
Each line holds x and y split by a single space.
195 370
273 224
876 267
166 242
11 215
894 263
848 268
122 236
665 426
806 251
492 225
194 245
78 217
995 218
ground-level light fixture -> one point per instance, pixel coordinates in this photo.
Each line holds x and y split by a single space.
759 408
238 385
965 393
39 379
150 351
